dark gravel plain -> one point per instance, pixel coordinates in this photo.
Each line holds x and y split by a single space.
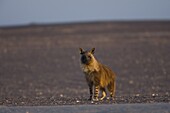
106 108
39 64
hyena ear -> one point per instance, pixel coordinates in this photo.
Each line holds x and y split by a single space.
81 50
92 50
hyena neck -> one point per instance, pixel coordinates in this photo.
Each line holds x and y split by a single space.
90 68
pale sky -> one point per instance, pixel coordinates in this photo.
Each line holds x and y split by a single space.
23 12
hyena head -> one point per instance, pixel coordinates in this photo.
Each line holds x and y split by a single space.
87 57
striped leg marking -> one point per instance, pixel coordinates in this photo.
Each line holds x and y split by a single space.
96 93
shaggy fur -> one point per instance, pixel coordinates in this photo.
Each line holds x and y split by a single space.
98 76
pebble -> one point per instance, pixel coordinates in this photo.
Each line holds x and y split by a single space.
153 95
131 82
137 95
7 101
61 95
167 93
39 93
77 101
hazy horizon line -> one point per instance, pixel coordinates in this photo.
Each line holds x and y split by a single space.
82 22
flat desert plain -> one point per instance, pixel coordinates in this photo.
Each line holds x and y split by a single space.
40 64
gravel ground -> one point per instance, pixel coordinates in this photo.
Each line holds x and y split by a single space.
115 108
39 65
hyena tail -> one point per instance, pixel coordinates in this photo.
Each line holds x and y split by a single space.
112 87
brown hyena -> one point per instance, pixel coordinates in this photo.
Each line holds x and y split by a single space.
98 76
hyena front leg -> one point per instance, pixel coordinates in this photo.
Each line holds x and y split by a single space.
103 93
112 88
91 91
96 93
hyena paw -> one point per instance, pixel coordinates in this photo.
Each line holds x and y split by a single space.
95 99
110 98
102 98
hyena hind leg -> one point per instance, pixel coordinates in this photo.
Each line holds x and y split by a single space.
96 93
103 93
112 87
